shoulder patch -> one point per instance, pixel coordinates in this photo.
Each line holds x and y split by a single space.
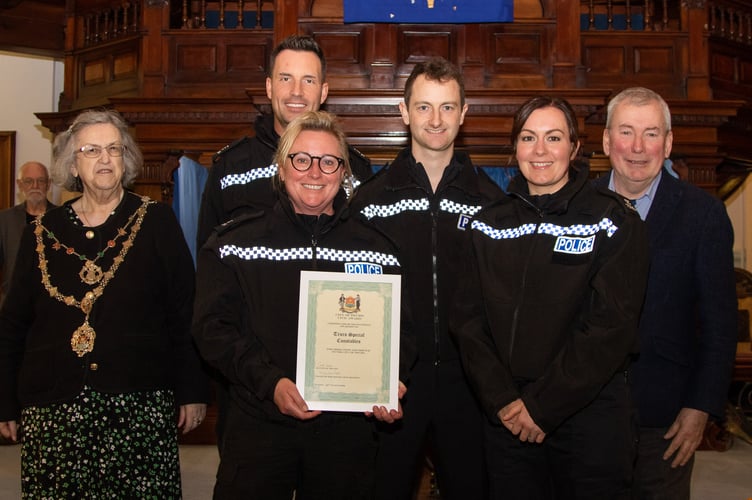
227 148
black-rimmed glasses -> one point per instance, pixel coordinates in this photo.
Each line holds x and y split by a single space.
302 161
94 151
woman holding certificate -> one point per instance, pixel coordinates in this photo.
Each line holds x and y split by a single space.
246 326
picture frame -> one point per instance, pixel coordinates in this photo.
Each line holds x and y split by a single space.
7 168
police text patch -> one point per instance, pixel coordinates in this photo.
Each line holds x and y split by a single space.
572 245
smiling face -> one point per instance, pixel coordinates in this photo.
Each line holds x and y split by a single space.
295 86
434 115
544 151
636 142
104 173
312 192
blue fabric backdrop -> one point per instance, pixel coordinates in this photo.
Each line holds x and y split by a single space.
189 179
418 11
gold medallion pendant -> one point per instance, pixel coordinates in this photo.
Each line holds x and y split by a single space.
82 340
90 273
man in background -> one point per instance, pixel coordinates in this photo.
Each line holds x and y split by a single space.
33 182
424 201
688 322
241 174
240 178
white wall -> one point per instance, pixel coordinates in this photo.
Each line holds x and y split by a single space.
29 84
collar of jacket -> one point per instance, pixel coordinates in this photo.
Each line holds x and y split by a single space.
341 212
264 127
559 201
405 173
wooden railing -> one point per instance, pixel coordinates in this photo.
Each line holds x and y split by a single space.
629 15
110 23
226 14
730 20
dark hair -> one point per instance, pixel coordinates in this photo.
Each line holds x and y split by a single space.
300 43
437 69
64 149
538 102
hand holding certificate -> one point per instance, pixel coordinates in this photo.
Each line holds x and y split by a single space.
348 341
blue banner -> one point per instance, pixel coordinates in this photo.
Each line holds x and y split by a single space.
428 11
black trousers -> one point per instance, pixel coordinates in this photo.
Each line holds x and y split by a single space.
440 413
328 458
589 457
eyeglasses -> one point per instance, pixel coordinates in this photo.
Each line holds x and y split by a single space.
94 151
28 182
327 163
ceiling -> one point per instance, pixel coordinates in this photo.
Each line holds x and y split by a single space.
33 27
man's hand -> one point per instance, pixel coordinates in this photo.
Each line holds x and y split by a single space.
290 402
516 418
685 435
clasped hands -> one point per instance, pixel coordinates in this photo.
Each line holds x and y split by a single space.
517 419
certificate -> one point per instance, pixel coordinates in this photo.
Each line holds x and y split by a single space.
348 340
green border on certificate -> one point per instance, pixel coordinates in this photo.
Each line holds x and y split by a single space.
348 340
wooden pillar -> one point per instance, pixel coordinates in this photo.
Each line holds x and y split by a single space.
566 61
698 79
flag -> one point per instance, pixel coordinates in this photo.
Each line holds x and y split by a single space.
428 11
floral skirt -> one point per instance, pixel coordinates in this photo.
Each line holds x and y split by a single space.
108 446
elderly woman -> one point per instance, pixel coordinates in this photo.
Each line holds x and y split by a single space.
548 317
98 365
246 326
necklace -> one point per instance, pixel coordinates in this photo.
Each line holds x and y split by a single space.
82 340
90 273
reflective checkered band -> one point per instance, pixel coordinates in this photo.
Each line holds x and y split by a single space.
546 228
306 253
503 234
419 205
248 177
372 211
458 208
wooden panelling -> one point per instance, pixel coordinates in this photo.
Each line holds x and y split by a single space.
203 63
623 59
107 70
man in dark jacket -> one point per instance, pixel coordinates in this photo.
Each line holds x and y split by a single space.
34 183
424 201
688 321
240 177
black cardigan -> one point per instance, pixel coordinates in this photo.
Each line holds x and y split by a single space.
142 320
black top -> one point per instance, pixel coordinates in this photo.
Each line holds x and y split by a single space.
550 300
240 178
142 320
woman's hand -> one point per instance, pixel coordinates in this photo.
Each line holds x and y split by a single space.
290 402
9 430
191 416
389 416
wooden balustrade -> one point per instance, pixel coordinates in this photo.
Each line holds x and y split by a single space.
731 21
226 14
629 15
109 23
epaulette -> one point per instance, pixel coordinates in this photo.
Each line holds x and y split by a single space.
232 145
238 221
355 151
